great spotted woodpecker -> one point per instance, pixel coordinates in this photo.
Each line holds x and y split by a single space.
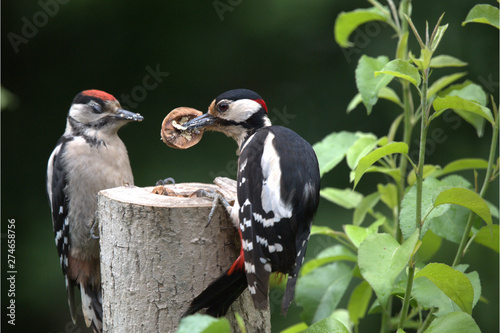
278 186
89 157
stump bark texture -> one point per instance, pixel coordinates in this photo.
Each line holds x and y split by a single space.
157 255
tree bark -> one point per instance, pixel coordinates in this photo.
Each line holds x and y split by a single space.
157 255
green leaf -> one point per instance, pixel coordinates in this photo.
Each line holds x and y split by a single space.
381 259
442 82
402 46
327 256
430 188
368 85
402 69
342 315
388 194
374 156
297 328
444 60
437 38
390 95
364 207
330 325
488 236
385 93
454 322
320 291
360 148
453 283
199 323
358 302
395 173
346 198
468 95
357 234
463 164
441 104
241 322
486 14
428 170
451 224
430 245
475 282
347 22
467 90
465 198
332 149
322 230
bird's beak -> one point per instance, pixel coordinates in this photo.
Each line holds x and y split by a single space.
200 122
128 115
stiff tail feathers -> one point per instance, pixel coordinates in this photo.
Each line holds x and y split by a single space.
220 294
70 290
92 307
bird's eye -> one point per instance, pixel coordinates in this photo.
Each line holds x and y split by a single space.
223 106
96 108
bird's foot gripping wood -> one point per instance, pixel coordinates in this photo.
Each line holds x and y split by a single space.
217 197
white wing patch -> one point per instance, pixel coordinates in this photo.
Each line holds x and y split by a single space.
271 185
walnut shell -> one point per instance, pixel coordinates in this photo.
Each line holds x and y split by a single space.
174 137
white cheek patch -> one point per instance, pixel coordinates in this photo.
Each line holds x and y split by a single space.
240 110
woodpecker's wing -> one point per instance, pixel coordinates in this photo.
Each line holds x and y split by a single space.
278 194
56 182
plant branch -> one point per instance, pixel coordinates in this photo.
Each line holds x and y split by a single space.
406 301
428 320
486 183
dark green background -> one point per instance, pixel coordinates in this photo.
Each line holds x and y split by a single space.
284 50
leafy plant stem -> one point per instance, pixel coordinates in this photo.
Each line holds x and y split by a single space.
421 159
470 221
428 320
408 114
406 301
386 317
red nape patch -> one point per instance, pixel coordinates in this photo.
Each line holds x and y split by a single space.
99 94
262 103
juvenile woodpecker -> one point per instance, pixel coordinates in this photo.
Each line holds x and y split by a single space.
88 158
278 186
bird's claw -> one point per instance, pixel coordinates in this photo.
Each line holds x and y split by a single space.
217 197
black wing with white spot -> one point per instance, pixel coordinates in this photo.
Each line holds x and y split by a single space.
278 194
56 182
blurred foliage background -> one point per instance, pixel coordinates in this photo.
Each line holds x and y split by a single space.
282 49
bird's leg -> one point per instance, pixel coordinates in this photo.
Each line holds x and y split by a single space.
217 197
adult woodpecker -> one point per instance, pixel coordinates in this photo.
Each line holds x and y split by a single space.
278 186
88 158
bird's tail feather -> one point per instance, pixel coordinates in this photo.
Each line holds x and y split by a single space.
220 294
92 307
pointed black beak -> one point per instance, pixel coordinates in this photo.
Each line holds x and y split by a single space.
200 122
128 115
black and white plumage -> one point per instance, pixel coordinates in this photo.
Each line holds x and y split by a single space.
88 158
277 196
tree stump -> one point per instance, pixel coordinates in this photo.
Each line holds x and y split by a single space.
157 255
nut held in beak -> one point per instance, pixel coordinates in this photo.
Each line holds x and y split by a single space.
172 132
